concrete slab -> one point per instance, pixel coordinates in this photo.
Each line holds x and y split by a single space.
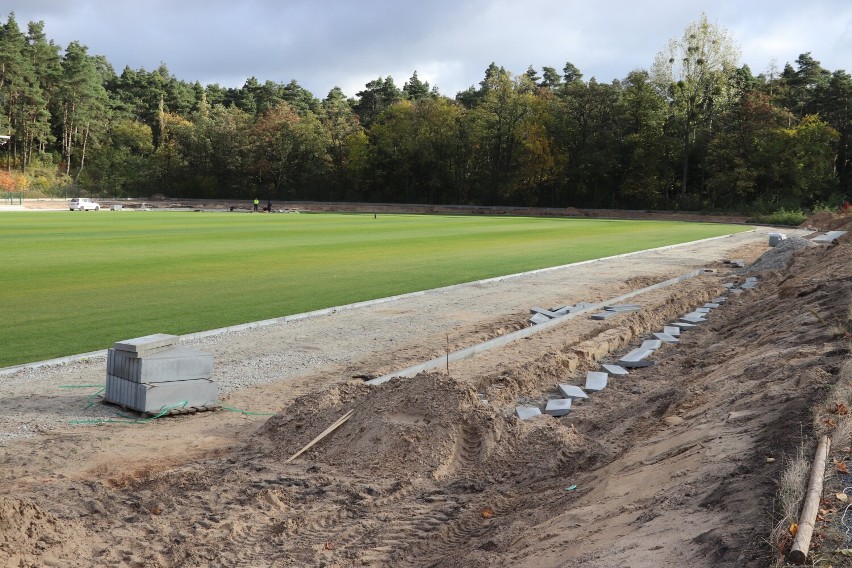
623 308
719 300
175 364
748 285
666 337
829 237
729 285
538 318
596 381
542 311
637 364
153 398
604 315
615 370
572 391
558 407
712 305
141 346
651 344
673 330
582 306
702 310
527 412
684 326
693 318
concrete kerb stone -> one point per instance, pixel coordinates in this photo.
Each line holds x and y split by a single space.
526 332
367 303
614 370
527 412
596 381
539 318
558 407
667 337
651 344
572 391
672 330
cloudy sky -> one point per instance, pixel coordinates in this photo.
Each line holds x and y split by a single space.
345 43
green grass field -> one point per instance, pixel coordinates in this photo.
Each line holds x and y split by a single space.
75 282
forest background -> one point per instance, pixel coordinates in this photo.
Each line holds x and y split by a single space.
694 131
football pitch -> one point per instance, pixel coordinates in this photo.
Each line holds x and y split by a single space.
74 282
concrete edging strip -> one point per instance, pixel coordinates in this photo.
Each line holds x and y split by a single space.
526 332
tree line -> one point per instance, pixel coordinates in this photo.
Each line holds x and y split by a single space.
696 130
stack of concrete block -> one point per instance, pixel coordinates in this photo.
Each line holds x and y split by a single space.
776 238
152 374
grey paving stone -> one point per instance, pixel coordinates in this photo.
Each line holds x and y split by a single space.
729 285
623 308
693 318
749 285
152 398
175 364
637 364
604 315
582 305
572 391
667 337
673 330
712 305
637 355
542 311
558 407
651 344
539 318
702 310
527 412
596 381
684 326
141 346
829 237
615 370
720 300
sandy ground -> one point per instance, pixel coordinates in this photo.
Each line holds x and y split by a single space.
665 467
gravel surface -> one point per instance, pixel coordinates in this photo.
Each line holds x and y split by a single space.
414 327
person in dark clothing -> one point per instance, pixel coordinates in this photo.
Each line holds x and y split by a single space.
269 206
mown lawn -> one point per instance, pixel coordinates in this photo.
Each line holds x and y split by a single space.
73 282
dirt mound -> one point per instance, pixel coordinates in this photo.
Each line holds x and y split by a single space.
778 257
829 221
29 536
427 426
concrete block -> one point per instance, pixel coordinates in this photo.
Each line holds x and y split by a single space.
623 308
604 315
572 391
596 381
651 344
615 370
702 310
542 311
527 412
666 337
176 364
693 318
720 300
539 318
116 207
637 364
673 330
558 407
148 344
155 397
748 285
684 326
582 306
729 285
712 305
829 237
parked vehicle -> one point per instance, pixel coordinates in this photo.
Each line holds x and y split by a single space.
83 204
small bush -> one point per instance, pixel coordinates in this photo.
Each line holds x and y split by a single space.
792 218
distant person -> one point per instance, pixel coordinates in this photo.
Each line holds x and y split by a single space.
269 206
256 203
846 206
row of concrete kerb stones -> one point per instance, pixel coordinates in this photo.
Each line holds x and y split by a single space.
639 357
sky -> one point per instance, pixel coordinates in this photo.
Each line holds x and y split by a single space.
449 43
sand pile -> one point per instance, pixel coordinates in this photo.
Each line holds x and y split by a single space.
427 426
30 536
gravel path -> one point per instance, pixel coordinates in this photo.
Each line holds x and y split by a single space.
415 327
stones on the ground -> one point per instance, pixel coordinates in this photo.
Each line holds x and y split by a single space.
637 358
693 317
712 305
829 237
558 407
720 300
572 391
673 330
729 285
538 318
702 310
542 311
673 420
615 370
666 337
604 315
596 380
635 390
651 344
527 412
